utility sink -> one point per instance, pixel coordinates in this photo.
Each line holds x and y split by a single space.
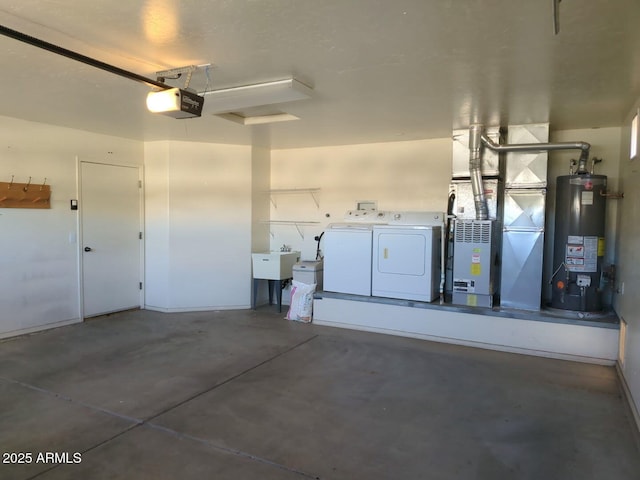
274 265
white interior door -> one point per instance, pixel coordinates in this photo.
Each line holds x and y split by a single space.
111 257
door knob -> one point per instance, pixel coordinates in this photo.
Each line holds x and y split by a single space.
87 249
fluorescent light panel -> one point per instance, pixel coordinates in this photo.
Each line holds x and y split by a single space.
238 98
258 119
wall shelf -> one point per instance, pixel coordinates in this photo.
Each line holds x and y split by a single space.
297 224
294 191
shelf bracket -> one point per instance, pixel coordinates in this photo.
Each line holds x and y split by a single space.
288 191
295 223
315 199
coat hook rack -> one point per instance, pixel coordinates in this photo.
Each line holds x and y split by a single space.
20 195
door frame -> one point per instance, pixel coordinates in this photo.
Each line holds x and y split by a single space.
79 227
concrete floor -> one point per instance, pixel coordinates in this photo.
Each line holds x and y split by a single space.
248 395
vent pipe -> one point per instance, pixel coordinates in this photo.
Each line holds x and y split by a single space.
475 172
477 137
584 148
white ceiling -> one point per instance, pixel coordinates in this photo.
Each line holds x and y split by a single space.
381 70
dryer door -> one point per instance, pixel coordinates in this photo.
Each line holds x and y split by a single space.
401 253
405 262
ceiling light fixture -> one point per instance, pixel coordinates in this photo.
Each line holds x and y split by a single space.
175 102
233 99
258 119
635 131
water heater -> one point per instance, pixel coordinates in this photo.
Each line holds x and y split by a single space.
579 242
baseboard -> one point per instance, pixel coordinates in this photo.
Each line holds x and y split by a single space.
211 308
634 413
38 328
582 343
469 343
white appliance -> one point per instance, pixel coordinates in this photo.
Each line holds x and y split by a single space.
309 272
473 263
407 256
347 252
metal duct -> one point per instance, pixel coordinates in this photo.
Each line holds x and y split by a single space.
477 137
540 147
475 172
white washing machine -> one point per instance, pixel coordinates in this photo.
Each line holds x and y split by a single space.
407 256
347 252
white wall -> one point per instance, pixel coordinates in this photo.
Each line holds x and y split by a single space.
156 225
39 285
198 226
260 184
411 175
628 304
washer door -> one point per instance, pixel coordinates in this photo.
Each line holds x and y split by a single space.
347 261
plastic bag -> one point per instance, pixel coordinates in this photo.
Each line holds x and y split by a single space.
301 308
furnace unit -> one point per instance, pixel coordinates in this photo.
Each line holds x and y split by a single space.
473 264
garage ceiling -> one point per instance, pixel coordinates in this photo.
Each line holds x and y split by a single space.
381 70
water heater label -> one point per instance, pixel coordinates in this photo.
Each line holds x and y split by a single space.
572 262
582 256
586 198
575 251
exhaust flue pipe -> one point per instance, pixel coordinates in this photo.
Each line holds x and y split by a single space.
584 148
477 137
475 172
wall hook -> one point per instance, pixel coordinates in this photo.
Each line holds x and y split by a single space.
43 183
26 187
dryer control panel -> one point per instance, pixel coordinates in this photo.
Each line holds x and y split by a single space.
383 217
367 216
433 219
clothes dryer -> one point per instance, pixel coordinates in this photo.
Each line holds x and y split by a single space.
406 257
